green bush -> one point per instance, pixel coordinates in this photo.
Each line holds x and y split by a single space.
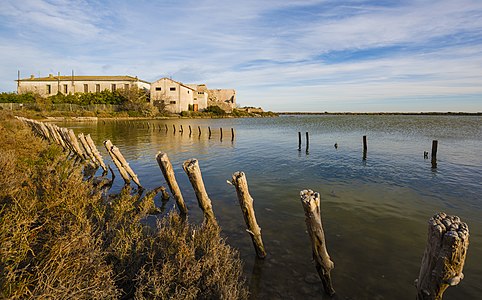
215 110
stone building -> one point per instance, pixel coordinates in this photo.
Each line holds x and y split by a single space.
172 95
224 98
51 85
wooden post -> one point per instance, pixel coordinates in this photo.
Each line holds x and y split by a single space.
191 167
444 256
365 147
434 153
168 172
221 131
246 203
324 265
307 142
190 131
125 165
174 127
75 144
95 152
209 128
87 149
166 127
181 130
199 128
299 140
108 146
232 134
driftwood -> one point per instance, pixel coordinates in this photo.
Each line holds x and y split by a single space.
191 167
168 173
246 203
324 265
108 146
444 256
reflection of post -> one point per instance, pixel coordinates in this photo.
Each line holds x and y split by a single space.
168 172
444 256
246 203
434 153
256 276
191 167
324 265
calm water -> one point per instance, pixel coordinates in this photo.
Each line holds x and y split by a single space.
375 211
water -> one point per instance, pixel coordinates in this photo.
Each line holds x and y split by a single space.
375 211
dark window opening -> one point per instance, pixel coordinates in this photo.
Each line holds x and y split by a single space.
113 87
97 88
172 102
158 88
86 88
172 88
66 89
49 89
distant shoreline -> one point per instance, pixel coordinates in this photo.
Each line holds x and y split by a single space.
385 113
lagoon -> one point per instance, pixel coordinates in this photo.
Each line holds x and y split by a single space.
374 211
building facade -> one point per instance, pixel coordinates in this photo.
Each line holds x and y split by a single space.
224 98
172 95
52 85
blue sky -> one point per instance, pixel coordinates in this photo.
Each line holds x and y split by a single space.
305 55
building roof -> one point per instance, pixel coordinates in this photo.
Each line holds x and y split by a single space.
180 83
84 78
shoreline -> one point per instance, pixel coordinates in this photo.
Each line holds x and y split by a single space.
383 113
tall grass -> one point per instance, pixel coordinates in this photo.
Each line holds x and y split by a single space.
60 238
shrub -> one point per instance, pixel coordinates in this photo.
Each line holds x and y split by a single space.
215 110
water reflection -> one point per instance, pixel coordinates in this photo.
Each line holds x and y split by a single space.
374 209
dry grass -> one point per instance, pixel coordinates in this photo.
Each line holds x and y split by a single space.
59 239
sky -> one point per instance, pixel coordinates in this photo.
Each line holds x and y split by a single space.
303 55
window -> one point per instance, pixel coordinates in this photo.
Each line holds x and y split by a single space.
126 86
49 89
66 89
172 88
158 88
97 88
172 102
200 93
113 87
86 88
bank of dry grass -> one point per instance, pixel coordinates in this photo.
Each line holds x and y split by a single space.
59 238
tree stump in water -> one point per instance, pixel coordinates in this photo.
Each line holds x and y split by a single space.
444 256
324 265
246 202
191 167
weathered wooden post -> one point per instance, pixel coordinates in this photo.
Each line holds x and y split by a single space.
444 256
323 263
221 131
174 128
168 172
191 167
299 140
232 134
166 127
95 152
108 146
307 142
181 130
209 128
190 131
87 149
365 147
125 165
434 153
246 203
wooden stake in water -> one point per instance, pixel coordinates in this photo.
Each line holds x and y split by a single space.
307 142
324 265
174 128
108 146
232 134
221 131
434 153
209 128
125 165
168 172
166 127
181 130
246 203
190 131
199 128
365 147
444 256
191 167
299 140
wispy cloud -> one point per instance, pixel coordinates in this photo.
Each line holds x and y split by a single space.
283 55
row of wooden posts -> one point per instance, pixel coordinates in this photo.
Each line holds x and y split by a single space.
443 259
365 148
181 129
